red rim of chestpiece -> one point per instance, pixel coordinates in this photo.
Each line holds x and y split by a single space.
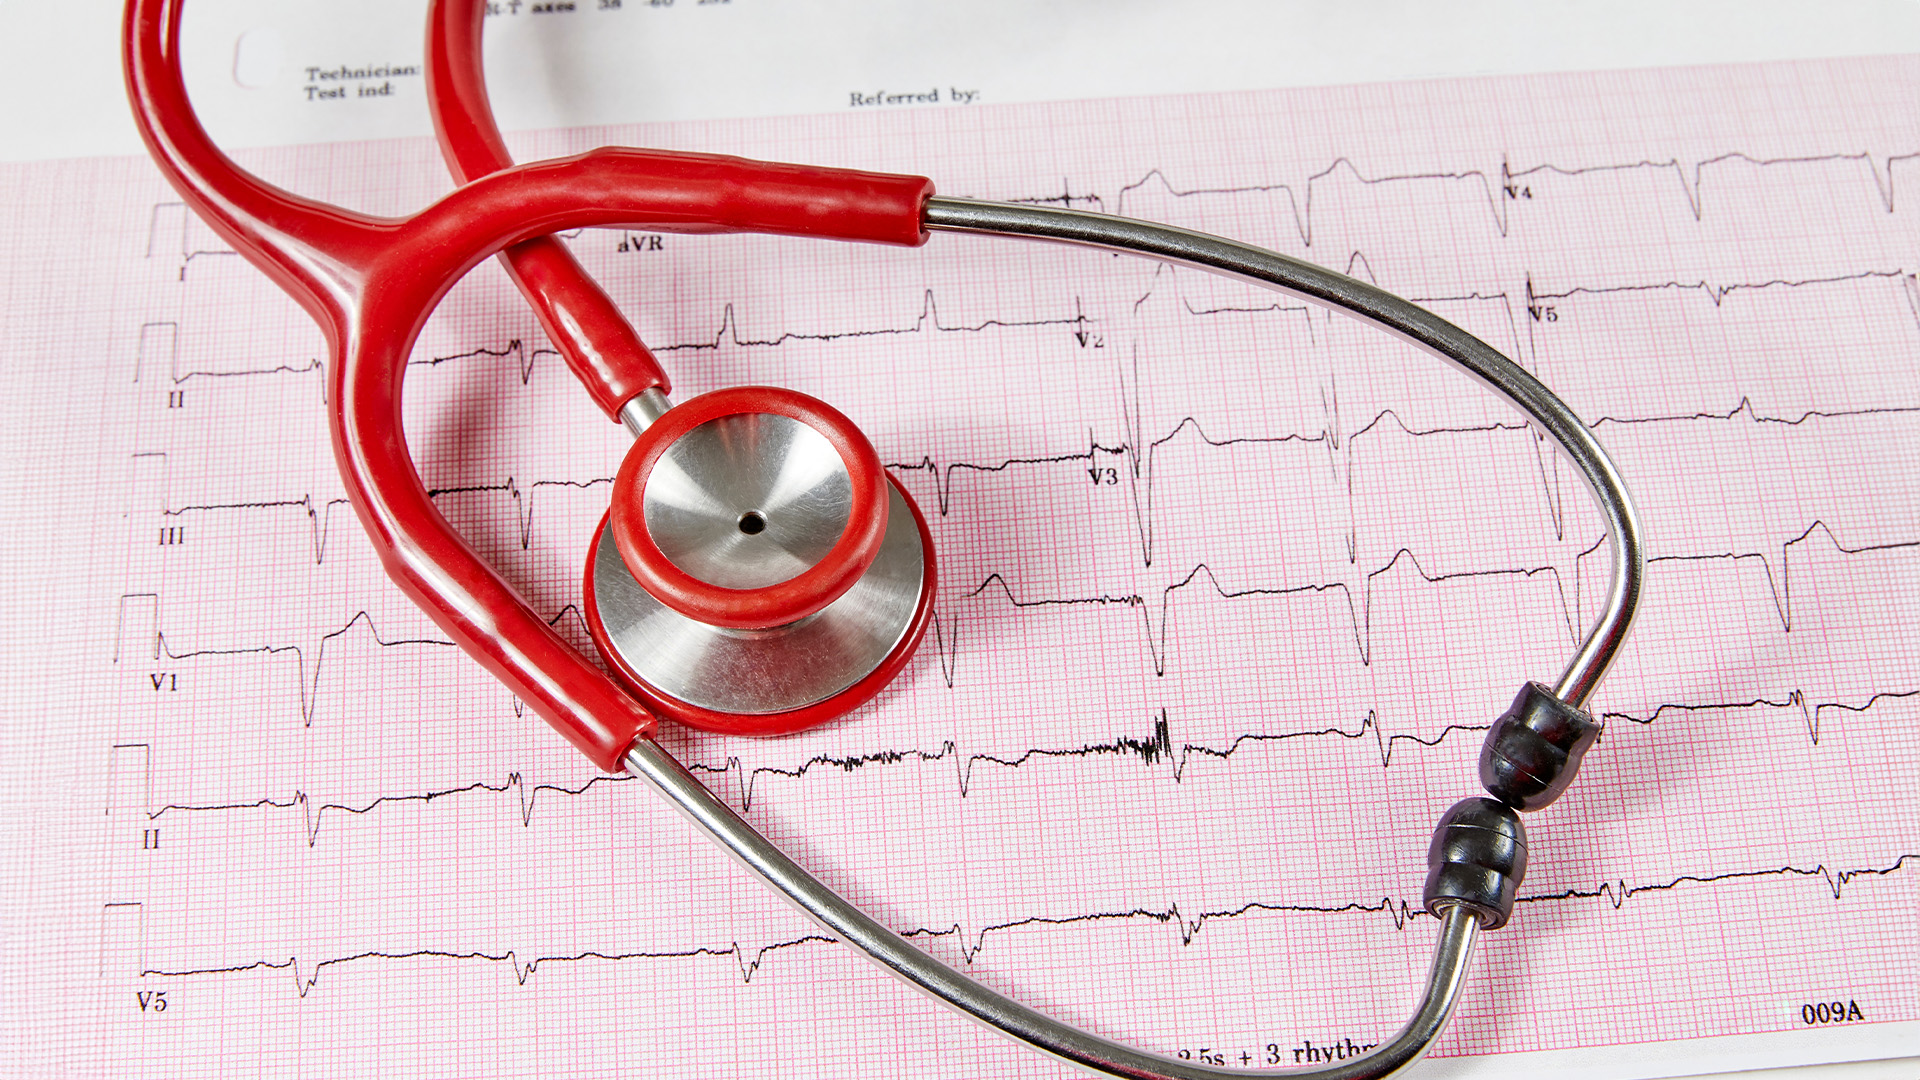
782 602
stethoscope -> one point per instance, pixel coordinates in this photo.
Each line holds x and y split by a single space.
758 572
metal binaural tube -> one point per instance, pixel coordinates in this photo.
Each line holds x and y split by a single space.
1459 924
1458 930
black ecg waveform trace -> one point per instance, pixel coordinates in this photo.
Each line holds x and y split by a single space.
1139 468
1154 749
310 686
1137 454
320 514
1780 585
1139 465
1618 892
522 970
1718 293
176 377
309 689
1495 196
319 517
314 815
185 251
1498 195
1400 912
728 332
1811 713
525 360
1358 610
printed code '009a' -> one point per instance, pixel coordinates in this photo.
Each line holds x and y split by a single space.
1817 1013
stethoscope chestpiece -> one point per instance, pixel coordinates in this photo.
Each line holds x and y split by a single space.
758 572
750 507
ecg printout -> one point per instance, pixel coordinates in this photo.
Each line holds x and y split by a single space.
1228 591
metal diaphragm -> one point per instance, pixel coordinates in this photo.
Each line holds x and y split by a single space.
777 669
748 500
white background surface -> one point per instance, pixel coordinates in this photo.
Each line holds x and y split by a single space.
59 62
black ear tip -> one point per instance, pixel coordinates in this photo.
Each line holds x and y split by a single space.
1476 861
1534 748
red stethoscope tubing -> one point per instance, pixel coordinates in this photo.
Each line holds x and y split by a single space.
578 316
371 282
